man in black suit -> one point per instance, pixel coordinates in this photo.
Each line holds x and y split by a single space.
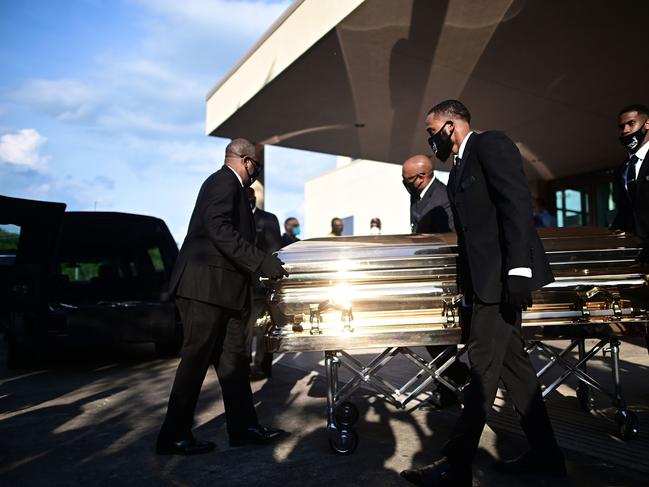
430 212
631 179
212 284
501 261
268 240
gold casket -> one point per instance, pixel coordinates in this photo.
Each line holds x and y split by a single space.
377 291
395 292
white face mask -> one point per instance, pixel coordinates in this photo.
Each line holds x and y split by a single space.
375 231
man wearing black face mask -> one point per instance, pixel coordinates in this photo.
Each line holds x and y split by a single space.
631 180
212 284
430 211
500 262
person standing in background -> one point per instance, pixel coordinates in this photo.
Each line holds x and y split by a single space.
542 216
291 231
268 240
337 227
375 226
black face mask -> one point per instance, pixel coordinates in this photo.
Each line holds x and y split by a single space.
441 143
633 141
409 187
412 187
255 173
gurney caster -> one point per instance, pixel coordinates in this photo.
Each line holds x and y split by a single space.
627 423
343 441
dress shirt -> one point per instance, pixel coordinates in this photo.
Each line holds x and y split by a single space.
641 154
423 192
460 152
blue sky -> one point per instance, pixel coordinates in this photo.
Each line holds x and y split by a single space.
102 103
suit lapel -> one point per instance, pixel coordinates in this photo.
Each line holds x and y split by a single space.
642 175
243 201
465 159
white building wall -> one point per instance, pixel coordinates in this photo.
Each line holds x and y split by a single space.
362 189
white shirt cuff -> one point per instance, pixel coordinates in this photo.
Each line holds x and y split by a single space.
521 271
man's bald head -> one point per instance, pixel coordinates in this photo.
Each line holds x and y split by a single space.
240 148
417 172
241 157
418 164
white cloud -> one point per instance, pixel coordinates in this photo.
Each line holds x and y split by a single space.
23 149
68 99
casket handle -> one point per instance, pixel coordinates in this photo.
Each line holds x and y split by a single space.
451 311
316 310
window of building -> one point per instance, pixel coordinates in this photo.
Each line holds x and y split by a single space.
348 223
584 200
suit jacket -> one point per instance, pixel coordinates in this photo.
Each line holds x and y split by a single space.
267 230
492 208
267 239
432 213
218 255
288 239
632 216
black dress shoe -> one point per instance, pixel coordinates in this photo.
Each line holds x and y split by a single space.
438 474
184 447
257 435
441 398
534 463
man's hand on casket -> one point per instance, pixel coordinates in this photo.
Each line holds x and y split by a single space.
271 267
518 292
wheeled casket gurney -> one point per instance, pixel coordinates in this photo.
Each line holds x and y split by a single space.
400 291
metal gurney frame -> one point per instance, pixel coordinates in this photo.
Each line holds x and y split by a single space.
606 325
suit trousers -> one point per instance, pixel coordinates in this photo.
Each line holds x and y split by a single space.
217 336
497 352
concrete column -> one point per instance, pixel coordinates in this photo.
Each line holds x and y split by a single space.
259 186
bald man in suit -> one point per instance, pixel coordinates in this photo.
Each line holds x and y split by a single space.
212 284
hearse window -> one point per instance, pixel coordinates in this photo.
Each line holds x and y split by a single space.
156 259
9 236
81 271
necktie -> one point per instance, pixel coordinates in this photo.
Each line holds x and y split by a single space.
629 177
452 179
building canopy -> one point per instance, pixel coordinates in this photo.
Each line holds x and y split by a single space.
356 77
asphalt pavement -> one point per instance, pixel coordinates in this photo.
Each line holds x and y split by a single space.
90 417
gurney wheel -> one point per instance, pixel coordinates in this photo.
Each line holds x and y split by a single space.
627 423
585 398
343 441
346 414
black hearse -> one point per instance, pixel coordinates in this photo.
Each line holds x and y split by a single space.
85 277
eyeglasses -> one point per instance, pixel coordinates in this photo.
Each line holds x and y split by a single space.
254 161
414 177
